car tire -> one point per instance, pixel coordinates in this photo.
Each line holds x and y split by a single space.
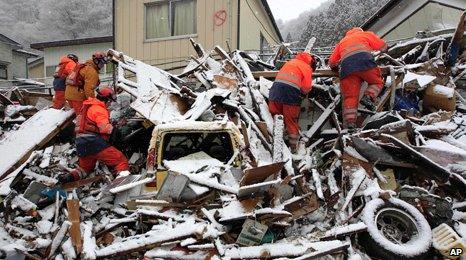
395 230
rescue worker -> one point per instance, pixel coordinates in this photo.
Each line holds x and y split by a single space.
94 133
293 81
64 68
80 84
357 64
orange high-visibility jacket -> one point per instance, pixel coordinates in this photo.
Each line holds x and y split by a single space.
94 118
297 73
355 41
90 75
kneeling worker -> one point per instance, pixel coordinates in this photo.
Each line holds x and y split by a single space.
93 137
293 81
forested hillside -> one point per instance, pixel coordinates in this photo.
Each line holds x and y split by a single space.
29 21
330 24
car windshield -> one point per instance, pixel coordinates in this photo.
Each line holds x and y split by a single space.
217 145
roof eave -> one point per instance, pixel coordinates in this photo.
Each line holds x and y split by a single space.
269 13
42 45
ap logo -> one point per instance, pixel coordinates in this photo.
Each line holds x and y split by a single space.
456 252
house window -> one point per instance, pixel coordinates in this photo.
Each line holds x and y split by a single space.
264 45
49 71
3 72
170 18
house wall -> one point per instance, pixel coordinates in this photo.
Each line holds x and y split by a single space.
431 17
18 67
130 32
254 22
409 17
84 52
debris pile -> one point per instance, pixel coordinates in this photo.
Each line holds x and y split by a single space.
214 178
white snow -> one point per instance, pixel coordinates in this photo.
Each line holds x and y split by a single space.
40 178
417 245
176 254
191 162
22 203
422 80
5 183
443 146
18 144
440 126
89 245
444 91
68 249
185 229
44 226
336 231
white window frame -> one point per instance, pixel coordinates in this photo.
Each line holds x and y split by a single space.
170 14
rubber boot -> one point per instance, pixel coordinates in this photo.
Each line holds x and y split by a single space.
367 103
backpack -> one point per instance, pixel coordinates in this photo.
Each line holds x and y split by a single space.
75 78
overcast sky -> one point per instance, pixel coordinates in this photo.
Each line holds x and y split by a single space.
289 9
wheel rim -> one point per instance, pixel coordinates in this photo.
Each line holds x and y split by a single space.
395 225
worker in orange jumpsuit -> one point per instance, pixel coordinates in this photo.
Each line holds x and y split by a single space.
357 64
94 133
293 81
64 68
82 81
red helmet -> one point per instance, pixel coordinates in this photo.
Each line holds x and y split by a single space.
100 59
99 55
105 94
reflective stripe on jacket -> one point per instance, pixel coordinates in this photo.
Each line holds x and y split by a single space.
297 73
353 52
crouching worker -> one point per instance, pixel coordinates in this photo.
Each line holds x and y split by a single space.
293 82
66 66
357 64
94 133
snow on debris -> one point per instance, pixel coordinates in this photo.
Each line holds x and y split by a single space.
443 146
18 143
182 230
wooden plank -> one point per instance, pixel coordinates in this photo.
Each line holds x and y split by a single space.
273 73
75 230
76 184
323 118
260 174
320 73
